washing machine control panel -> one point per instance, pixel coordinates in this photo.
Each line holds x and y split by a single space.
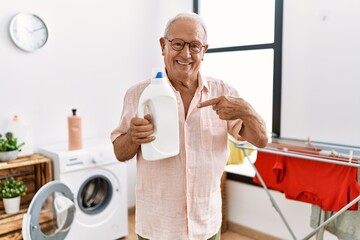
75 160
91 156
97 157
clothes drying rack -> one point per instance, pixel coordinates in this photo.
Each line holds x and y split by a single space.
352 163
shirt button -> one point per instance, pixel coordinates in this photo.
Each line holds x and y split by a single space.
188 169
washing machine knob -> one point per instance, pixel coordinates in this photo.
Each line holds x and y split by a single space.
97 158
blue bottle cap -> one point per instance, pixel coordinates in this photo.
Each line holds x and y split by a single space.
159 75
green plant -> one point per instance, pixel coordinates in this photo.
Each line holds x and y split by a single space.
9 143
10 188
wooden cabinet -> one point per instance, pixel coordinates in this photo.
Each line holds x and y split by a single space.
34 170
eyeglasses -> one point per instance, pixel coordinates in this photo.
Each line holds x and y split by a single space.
178 44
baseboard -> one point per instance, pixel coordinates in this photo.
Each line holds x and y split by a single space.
249 232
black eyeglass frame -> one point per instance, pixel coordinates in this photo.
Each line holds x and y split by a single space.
190 49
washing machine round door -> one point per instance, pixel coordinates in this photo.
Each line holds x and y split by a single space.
50 214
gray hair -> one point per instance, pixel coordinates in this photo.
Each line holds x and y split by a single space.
187 16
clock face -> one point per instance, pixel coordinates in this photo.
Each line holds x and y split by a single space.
28 31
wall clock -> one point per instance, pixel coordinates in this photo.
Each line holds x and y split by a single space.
28 31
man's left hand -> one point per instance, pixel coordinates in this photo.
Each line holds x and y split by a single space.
227 107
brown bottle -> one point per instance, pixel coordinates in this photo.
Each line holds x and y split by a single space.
75 132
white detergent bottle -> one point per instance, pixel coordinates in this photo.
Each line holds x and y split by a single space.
160 101
23 132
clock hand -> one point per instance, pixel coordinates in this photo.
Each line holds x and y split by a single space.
37 29
26 29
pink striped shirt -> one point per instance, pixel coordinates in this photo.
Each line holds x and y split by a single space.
180 197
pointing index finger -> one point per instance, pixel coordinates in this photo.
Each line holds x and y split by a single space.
209 102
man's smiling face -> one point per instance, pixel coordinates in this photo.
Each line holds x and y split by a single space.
183 64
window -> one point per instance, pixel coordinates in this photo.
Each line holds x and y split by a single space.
238 22
244 39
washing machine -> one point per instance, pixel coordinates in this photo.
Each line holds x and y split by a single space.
86 200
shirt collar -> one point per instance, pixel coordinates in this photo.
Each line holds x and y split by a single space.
203 83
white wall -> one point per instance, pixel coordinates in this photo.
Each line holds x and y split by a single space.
96 50
321 87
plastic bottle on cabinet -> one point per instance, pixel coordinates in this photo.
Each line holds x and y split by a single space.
75 131
23 132
160 101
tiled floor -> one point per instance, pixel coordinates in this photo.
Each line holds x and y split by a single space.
225 236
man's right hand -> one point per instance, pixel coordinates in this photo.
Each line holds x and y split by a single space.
141 130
